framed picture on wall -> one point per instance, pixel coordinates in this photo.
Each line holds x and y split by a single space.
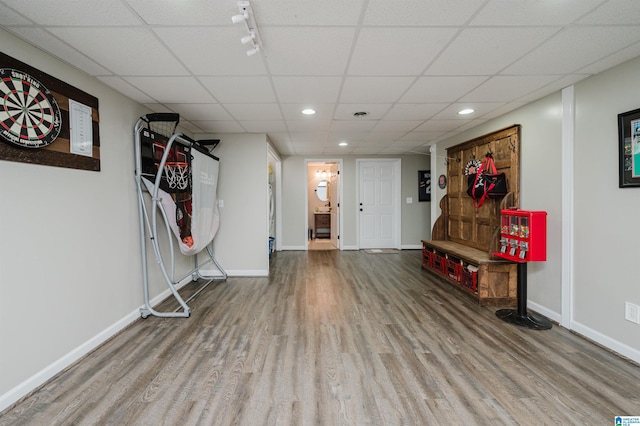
629 148
424 185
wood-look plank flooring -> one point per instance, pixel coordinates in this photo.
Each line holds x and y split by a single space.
331 338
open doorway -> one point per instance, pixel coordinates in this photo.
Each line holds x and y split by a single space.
323 205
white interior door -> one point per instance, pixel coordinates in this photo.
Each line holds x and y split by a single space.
379 182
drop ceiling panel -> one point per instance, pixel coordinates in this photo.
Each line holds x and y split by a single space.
311 126
374 89
575 48
397 125
422 136
123 86
308 12
528 13
414 111
439 126
213 126
486 51
211 50
404 50
254 111
480 108
143 55
441 89
294 112
200 111
192 12
374 111
311 51
44 40
76 13
420 12
9 17
612 60
180 90
307 90
507 88
240 89
352 125
614 13
262 126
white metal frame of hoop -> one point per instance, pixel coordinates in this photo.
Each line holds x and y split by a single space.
177 175
149 229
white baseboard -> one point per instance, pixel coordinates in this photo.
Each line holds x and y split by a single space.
606 341
411 247
350 248
47 373
596 336
553 316
56 367
248 273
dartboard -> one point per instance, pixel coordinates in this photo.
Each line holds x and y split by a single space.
29 115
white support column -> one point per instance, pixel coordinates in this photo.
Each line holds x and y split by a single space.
568 144
435 190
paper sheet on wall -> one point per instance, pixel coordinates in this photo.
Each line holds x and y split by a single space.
80 128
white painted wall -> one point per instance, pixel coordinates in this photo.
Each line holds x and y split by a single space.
415 217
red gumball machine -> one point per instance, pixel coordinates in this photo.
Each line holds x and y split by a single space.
523 239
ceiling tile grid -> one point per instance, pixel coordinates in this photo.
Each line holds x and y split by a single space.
410 65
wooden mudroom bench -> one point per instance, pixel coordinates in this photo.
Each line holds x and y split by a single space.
490 281
463 237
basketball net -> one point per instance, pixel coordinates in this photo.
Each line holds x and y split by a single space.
177 174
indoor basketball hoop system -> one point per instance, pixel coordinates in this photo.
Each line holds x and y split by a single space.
180 177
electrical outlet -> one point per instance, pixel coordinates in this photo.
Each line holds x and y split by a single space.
632 312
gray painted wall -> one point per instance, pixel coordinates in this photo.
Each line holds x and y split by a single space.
605 238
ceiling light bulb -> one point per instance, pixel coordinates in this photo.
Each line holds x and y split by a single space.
236 19
343 144
466 111
248 38
308 111
253 51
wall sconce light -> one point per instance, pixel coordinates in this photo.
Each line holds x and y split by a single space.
247 17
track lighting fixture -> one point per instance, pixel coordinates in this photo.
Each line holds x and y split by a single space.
236 19
248 38
247 17
253 50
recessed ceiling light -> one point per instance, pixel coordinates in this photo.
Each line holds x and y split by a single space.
308 111
343 144
466 111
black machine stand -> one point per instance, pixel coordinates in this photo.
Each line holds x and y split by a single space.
521 317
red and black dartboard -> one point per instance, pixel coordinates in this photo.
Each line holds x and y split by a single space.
29 115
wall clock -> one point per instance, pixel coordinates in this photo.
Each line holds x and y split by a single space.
29 115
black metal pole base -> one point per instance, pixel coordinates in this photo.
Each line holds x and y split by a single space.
527 320
520 316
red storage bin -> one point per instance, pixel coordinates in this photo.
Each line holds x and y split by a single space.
453 269
427 258
469 279
438 263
